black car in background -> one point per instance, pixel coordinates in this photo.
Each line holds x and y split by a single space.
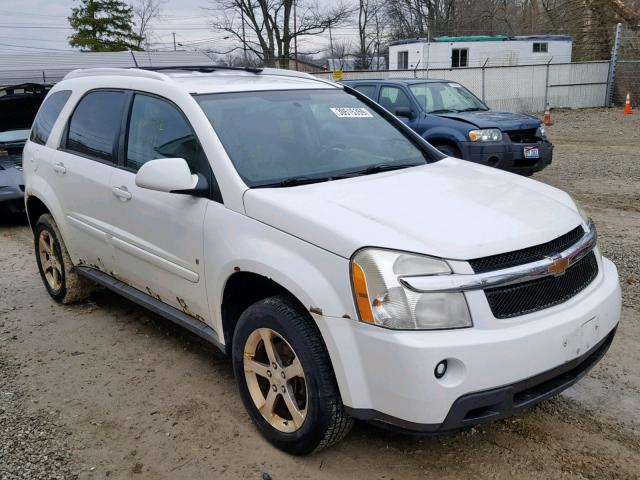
18 107
460 125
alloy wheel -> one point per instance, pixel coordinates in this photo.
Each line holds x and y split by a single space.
275 379
49 260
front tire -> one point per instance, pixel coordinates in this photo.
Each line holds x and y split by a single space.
449 151
54 263
285 377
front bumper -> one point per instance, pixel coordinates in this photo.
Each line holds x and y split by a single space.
507 155
496 368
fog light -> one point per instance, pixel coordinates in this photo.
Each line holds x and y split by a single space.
440 369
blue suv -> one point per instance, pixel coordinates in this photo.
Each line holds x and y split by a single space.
460 125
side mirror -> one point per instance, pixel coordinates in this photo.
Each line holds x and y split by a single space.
404 112
166 175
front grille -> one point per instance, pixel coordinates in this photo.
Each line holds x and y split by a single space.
527 297
524 136
527 255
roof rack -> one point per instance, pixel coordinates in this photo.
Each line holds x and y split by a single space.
202 68
93 72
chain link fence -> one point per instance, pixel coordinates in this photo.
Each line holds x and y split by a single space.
522 88
626 62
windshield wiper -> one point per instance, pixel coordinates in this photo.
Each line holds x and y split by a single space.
382 167
444 110
294 181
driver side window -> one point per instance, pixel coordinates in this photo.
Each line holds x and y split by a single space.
157 129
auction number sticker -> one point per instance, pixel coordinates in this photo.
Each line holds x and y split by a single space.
351 112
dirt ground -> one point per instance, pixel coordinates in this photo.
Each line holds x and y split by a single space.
105 389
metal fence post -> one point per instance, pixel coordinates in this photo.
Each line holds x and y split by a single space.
611 77
546 85
483 76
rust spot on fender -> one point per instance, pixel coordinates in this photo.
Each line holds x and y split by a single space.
236 269
316 310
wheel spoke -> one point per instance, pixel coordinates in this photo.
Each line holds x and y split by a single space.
50 243
258 368
296 414
294 370
269 404
44 245
267 339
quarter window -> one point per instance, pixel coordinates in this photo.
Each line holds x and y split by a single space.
540 47
459 57
48 115
403 60
157 129
95 125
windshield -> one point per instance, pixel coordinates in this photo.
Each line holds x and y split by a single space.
283 138
443 97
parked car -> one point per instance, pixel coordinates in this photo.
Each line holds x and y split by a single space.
18 107
460 125
349 269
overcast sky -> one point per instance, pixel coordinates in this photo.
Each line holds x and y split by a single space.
41 26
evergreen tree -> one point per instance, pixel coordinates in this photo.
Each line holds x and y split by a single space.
103 26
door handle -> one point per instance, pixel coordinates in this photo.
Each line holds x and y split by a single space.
122 193
59 168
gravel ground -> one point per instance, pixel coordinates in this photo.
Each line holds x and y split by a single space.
105 389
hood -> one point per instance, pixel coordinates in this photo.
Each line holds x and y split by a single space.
505 121
451 209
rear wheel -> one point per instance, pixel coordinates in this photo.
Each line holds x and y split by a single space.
285 377
449 150
55 266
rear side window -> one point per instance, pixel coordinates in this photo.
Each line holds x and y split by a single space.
48 115
95 125
368 90
157 129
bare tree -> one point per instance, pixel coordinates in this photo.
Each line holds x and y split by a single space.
369 31
144 12
265 27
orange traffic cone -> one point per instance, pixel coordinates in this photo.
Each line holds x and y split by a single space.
627 105
547 116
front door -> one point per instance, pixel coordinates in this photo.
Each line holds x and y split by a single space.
158 236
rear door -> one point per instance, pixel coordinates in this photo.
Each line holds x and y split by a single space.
158 236
82 171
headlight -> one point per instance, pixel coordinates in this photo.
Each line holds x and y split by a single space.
382 300
485 135
542 131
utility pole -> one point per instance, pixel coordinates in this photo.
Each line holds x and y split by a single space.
295 32
244 40
174 41
330 40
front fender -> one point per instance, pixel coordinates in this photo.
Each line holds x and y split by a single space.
234 242
444 133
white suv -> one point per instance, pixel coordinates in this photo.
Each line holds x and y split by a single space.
348 268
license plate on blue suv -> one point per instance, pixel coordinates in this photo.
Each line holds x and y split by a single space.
531 152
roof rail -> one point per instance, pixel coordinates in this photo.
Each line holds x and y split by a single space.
201 68
130 72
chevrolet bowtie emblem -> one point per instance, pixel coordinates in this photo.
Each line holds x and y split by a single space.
558 267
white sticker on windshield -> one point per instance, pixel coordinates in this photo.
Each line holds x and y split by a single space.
351 112
455 85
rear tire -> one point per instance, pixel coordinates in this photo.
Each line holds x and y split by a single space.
449 151
54 263
296 406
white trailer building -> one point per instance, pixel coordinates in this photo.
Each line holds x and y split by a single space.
476 51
